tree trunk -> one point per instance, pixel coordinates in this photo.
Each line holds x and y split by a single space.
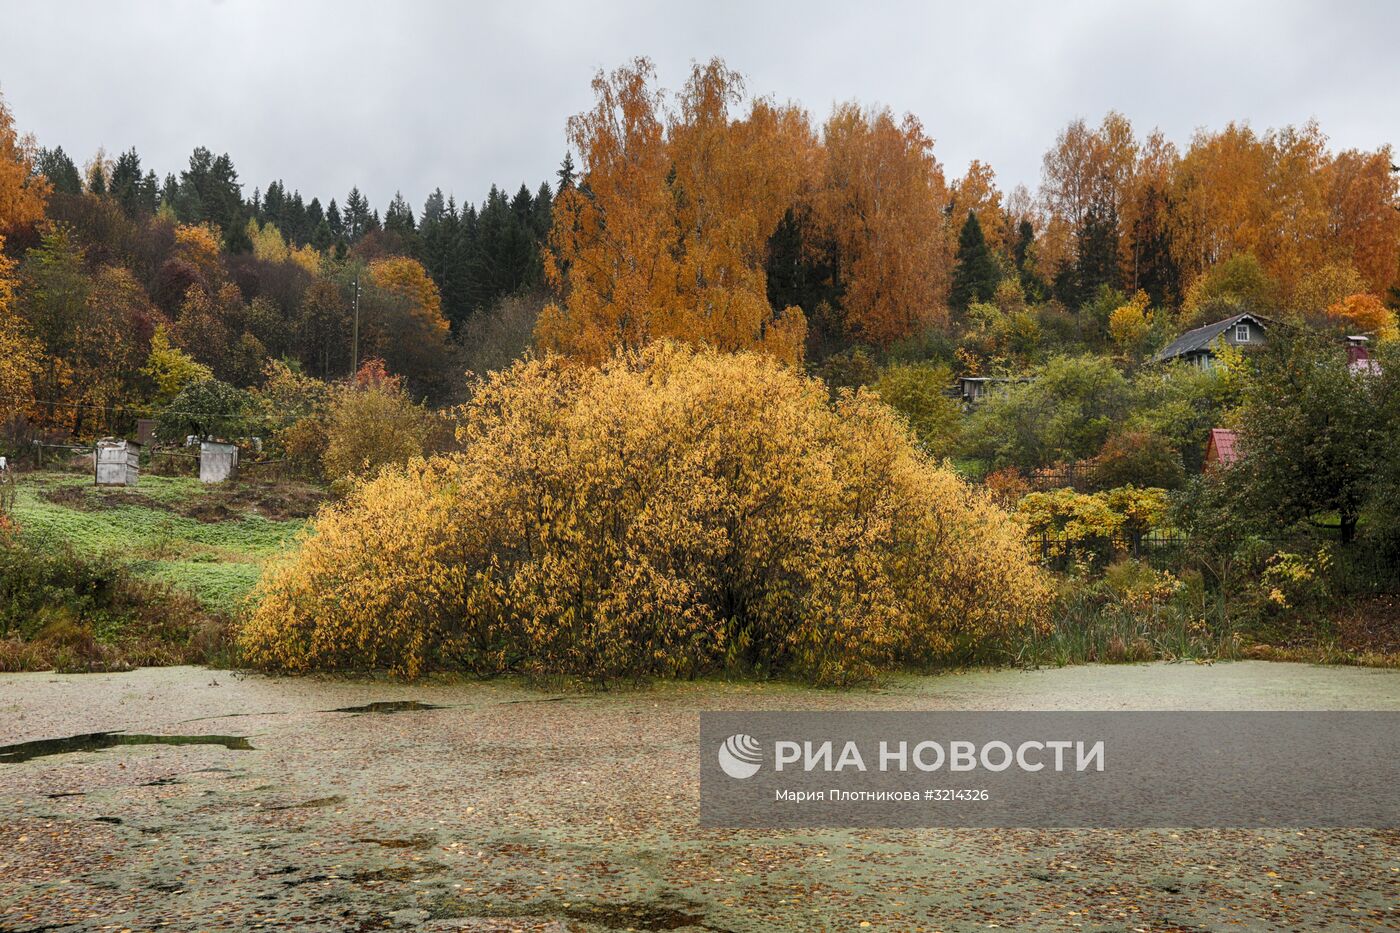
1348 524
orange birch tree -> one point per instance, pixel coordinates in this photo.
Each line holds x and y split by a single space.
665 235
882 201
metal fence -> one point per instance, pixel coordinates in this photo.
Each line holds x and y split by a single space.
1078 476
1357 569
1160 549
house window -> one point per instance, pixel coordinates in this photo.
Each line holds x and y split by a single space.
1241 333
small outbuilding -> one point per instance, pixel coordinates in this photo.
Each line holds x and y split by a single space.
218 463
117 462
972 389
1359 359
1222 449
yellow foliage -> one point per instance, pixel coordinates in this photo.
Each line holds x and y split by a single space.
390 557
1294 582
307 257
199 244
369 427
1078 516
1285 198
883 201
1075 515
1129 324
268 244
197 239
667 237
1326 286
977 192
407 279
1364 314
22 190
170 368
1142 509
674 512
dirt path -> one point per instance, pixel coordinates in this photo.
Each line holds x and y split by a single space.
504 808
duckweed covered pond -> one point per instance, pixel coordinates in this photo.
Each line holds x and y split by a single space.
477 806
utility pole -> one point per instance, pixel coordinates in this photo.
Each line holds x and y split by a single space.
355 346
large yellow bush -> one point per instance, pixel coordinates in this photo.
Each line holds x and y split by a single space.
674 512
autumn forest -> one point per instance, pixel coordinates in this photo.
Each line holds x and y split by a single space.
705 214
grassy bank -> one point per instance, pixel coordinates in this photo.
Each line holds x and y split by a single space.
108 579
208 541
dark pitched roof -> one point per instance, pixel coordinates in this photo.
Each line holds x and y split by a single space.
1202 337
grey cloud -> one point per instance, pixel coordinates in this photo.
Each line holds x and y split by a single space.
327 94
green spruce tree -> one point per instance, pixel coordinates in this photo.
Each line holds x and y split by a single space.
976 276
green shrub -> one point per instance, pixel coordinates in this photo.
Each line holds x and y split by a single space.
208 408
1065 413
75 613
918 391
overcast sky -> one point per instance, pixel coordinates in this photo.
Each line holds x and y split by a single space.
409 95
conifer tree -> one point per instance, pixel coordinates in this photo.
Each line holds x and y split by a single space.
544 211
58 168
1097 263
399 217
976 275
1032 284
334 222
566 173
169 192
355 215
127 181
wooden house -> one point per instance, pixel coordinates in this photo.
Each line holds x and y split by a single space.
1198 347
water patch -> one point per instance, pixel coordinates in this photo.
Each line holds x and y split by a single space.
97 741
416 842
309 804
387 706
637 915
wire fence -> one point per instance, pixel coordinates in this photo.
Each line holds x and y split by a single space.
1362 570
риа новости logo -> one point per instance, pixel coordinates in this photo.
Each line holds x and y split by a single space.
740 756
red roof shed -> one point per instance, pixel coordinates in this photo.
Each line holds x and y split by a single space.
1223 447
